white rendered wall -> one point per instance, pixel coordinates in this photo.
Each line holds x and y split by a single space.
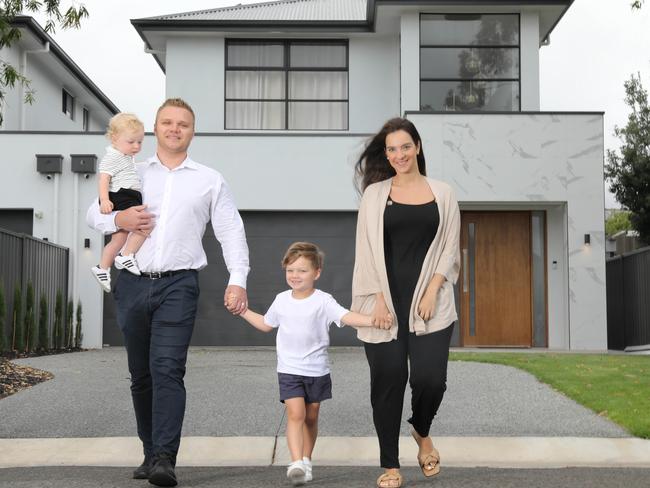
552 160
195 72
529 28
410 59
12 100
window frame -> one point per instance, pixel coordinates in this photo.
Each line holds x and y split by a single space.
66 95
287 69
465 46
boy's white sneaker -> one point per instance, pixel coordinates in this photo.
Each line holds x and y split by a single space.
308 469
128 263
296 473
103 277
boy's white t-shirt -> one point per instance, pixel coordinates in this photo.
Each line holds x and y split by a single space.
303 331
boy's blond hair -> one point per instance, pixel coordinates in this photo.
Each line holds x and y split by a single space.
123 122
306 250
176 102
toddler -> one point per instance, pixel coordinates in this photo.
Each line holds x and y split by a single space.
303 316
119 189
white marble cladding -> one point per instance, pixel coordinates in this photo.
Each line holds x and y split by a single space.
536 161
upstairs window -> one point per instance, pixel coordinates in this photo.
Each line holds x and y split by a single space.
67 105
286 85
469 62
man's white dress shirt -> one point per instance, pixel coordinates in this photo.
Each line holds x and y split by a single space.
183 201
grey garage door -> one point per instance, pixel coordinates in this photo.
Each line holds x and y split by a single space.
269 234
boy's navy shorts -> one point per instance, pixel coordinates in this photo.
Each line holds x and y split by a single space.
314 389
125 198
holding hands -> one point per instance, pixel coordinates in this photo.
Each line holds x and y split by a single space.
381 316
235 299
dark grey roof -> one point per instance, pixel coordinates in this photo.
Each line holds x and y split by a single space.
27 22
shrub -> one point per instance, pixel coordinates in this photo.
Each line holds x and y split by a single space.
31 339
78 336
43 333
57 340
17 343
69 314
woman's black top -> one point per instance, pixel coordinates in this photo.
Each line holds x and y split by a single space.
409 231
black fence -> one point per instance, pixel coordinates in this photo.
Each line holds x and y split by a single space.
25 259
628 299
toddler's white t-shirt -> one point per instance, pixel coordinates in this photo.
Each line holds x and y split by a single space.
303 331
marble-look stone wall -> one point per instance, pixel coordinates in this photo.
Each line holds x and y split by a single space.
536 161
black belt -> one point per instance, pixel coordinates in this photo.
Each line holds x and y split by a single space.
156 275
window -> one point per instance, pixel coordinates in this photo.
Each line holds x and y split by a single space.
67 105
85 122
287 85
469 62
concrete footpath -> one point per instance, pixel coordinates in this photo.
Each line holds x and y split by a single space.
492 417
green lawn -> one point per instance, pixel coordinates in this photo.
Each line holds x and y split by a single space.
614 386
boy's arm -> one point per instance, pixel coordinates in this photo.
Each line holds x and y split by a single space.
256 320
356 319
105 205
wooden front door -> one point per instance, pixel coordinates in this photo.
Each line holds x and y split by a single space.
495 281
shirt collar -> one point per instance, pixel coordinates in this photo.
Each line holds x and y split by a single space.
187 163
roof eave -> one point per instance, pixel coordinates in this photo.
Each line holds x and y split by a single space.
33 26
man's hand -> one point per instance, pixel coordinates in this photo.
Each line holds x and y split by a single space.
105 206
135 219
235 299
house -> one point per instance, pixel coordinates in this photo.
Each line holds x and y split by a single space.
286 94
66 99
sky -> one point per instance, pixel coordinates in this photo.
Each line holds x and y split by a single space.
596 46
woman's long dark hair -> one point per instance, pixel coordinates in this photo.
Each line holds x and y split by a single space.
373 165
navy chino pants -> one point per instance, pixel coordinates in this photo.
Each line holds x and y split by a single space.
156 317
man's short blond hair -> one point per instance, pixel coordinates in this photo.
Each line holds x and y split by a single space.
176 102
123 122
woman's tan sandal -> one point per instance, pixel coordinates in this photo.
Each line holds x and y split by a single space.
389 480
429 462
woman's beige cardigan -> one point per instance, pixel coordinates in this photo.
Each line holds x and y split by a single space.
370 276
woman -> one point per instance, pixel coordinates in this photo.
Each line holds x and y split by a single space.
407 260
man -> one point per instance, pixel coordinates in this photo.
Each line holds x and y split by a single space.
156 310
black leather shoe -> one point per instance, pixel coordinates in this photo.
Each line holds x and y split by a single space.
142 471
162 472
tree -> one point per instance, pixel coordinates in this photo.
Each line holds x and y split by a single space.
57 342
17 343
617 222
629 172
43 336
69 313
31 340
78 336
56 15
637 4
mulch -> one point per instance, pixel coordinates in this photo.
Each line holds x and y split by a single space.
14 378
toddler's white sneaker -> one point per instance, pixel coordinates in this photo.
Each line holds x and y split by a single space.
296 473
103 277
128 263
308 469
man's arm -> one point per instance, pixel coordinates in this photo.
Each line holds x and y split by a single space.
229 230
133 219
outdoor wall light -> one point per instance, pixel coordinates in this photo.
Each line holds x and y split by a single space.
587 239
86 243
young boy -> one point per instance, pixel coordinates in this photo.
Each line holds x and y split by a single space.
119 189
303 316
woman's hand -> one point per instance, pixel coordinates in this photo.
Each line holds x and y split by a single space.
381 316
427 305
